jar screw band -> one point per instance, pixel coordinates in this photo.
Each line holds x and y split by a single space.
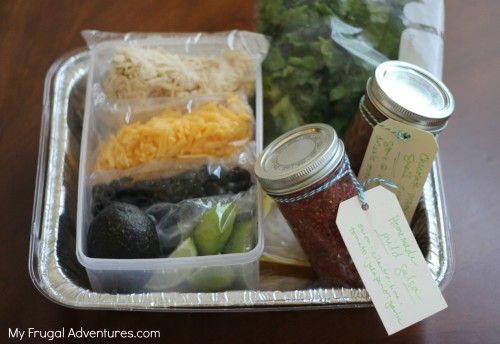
372 121
345 169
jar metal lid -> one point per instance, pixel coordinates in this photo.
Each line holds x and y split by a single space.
298 159
410 94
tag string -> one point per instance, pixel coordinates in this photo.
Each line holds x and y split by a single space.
345 169
372 121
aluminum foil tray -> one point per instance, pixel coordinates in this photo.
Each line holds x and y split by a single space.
54 267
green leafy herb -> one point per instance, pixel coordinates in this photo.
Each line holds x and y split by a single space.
322 53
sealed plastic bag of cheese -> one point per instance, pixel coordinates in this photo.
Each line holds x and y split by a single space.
139 66
131 135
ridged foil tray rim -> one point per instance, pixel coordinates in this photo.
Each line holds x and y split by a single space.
49 278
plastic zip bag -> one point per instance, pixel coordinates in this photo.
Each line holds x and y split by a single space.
172 181
131 134
323 52
139 66
175 222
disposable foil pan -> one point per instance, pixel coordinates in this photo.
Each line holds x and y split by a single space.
54 267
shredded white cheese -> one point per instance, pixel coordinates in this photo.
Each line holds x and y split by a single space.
142 73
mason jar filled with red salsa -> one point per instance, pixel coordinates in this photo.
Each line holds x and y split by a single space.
307 173
403 92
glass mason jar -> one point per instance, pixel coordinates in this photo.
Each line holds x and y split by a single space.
403 92
307 173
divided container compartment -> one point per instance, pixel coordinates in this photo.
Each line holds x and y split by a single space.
235 271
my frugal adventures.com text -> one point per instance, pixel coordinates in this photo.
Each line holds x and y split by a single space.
32 333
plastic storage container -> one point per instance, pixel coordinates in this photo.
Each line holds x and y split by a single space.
238 271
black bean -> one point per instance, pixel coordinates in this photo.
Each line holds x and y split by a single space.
206 181
233 187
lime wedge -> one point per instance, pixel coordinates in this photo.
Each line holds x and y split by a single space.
214 228
212 279
186 249
167 280
241 239
269 258
267 204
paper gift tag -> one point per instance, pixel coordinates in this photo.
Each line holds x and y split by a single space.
388 260
402 154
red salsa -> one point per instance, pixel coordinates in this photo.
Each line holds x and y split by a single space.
312 220
305 171
426 104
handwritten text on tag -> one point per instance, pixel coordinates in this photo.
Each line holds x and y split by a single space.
402 154
389 260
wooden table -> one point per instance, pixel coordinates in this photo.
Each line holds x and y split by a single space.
34 33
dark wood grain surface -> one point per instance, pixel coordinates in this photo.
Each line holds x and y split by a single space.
34 33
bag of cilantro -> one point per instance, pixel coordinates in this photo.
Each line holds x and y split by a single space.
323 51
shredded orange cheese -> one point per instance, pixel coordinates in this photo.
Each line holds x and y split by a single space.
211 129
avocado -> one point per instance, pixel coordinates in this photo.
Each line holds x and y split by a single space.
122 231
